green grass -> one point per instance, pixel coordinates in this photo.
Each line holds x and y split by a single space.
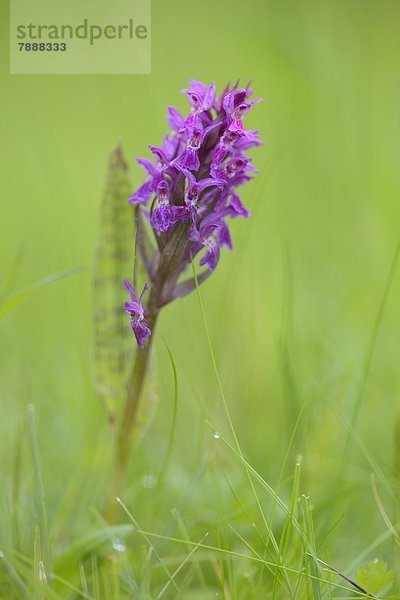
269 436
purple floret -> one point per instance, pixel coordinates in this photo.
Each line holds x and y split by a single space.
134 309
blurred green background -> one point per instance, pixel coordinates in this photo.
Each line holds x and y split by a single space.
291 310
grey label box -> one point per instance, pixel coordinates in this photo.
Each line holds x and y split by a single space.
80 37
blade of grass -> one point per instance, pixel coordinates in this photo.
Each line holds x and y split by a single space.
313 564
287 371
11 301
14 576
367 454
12 273
39 571
39 497
82 574
361 388
219 566
16 488
69 586
171 440
95 577
382 511
288 526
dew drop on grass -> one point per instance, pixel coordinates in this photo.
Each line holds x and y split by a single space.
119 547
216 435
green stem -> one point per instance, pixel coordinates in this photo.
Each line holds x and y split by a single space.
125 432
124 441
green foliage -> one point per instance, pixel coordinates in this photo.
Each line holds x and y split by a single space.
375 577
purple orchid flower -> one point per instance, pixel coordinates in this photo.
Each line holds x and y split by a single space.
163 215
134 309
190 193
213 233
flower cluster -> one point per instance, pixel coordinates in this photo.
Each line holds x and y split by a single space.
190 189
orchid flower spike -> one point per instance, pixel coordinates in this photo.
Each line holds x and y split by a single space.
189 193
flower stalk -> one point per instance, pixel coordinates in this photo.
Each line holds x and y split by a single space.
124 440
